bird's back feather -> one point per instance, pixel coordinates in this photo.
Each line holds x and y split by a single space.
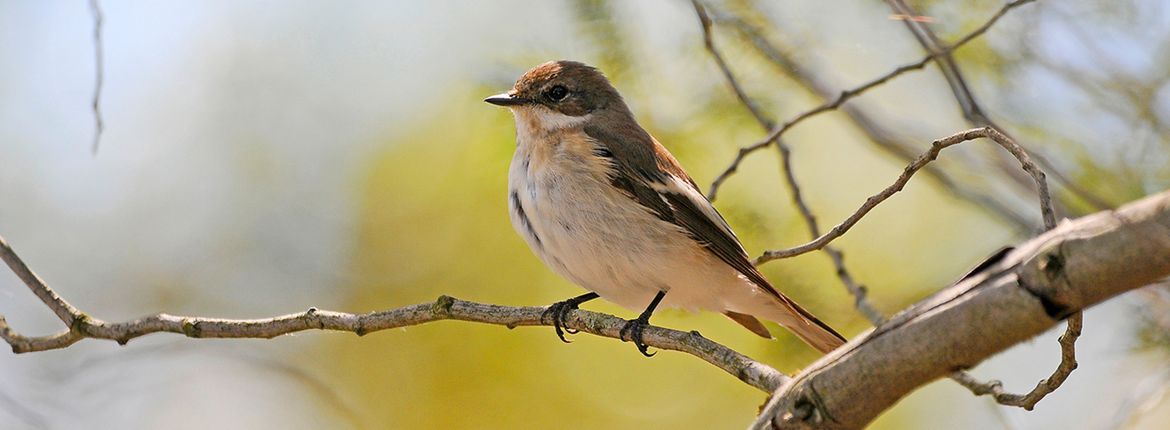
674 197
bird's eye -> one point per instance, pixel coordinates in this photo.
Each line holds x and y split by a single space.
557 93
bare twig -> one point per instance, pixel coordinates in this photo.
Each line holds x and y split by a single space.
95 10
64 311
1094 200
946 64
709 43
858 291
973 112
827 106
878 135
918 163
82 326
975 115
853 92
1068 362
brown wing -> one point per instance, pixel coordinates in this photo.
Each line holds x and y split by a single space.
653 178
668 192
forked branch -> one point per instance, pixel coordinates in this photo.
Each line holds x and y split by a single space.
930 155
1064 271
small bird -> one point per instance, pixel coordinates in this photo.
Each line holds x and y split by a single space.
603 204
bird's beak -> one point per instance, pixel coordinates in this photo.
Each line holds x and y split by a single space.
506 99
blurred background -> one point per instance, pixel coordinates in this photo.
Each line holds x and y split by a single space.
263 157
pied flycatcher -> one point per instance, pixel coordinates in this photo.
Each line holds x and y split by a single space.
603 204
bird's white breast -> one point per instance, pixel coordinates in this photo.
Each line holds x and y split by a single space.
563 204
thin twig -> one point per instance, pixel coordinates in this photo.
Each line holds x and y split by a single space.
975 115
82 326
973 112
918 163
827 106
853 92
95 11
878 135
1068 362
64 311
709 43
858 291
946 64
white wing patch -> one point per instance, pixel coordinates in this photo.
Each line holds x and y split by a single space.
678 186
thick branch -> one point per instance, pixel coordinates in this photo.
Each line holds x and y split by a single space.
976 116
1078 264
82 326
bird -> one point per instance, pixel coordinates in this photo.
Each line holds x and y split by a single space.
606 206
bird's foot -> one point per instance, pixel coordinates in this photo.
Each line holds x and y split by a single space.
634 328
559 313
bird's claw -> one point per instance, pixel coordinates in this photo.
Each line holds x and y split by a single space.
635 327
559 313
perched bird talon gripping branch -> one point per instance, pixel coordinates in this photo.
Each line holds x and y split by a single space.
603 204
560 310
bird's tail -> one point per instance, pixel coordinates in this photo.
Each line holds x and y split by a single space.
796 319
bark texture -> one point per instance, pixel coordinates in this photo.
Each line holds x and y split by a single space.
1080 263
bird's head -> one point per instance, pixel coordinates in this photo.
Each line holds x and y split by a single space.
557 94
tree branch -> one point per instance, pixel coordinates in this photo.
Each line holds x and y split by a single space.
857 290
1080 263
82 326
95 10
973 112
853 92
1068 363
878 135
916 165
976 116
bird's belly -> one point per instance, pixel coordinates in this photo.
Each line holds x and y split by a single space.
591 233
